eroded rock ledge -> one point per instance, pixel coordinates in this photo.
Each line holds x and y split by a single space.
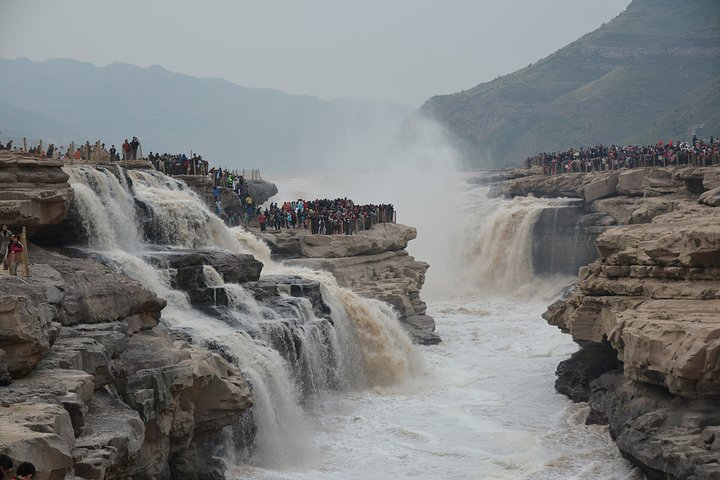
372 263
646 314
34 192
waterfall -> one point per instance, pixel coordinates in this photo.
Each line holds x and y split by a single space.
498 242
287 352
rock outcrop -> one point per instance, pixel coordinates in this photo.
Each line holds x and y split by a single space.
373 263
645 315
91 388
34 192
261 190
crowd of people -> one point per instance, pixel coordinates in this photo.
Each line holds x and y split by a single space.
129 150
325 217
179 164
24 471
589 159
10 249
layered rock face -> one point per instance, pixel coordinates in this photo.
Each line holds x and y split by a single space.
646 316
372 263
34 192
92 388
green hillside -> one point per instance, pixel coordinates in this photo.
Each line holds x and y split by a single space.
649 74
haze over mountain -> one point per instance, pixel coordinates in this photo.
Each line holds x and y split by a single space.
64 100
650 74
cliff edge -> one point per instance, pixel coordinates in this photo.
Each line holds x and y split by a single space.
645 313
372 263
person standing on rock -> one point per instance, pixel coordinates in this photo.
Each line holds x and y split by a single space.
126 150
5 235
134 144
14 253
25 471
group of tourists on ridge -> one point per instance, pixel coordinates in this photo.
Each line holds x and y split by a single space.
129 150
24 471
10 250
600 157
179 164
325 217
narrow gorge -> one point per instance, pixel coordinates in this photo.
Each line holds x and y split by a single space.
644 311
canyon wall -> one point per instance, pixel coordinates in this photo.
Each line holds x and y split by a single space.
645 313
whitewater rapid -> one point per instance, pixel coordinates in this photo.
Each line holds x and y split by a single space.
362 402
485 408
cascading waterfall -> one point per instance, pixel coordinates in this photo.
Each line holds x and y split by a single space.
284 359
499 236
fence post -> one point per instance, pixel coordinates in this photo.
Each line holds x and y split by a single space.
41 149
24 255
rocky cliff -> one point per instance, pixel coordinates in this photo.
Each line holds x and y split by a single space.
645 314
373 263
95 383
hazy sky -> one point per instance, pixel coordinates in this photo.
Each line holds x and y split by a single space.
400 50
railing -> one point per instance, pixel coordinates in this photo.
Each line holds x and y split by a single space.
558 167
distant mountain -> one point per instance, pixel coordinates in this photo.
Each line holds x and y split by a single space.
652 73
63 100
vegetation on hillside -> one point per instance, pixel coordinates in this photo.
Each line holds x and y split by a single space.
650 74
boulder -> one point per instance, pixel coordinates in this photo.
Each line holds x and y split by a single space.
261 190
648 182
710 198
27 325
601 188
41 433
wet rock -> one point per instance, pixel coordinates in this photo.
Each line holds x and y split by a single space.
421 328
588 363
183 393
666 436
274 286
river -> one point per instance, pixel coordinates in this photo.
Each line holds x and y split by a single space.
479 405
484 408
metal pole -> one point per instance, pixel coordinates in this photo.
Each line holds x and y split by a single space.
24 255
